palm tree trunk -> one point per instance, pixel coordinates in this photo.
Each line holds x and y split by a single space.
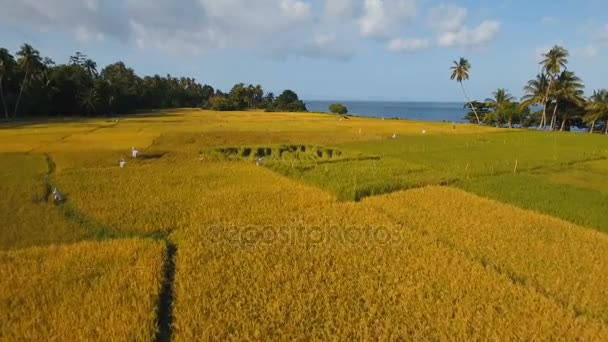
510 122
564 119
470 104
606 132
2 98
554 117
19 96
592 127
543 120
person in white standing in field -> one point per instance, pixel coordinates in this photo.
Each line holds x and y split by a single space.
134 152
57 196
122 162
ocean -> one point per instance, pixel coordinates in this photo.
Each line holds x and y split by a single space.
427 111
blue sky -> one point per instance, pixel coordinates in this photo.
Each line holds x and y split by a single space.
322 49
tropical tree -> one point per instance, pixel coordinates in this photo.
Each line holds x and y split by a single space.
7 65
552 64
91 67
89 100
30 63
503 107
568 92
338 108
460 72
597 109
535 92
476 109
288 101
501 97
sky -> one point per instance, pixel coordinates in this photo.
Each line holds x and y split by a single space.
397 50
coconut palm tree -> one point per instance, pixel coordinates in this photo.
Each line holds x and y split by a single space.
7 64
91 67
535 91
597 109
460 72
89 99
552 63
30 63
568 88
501 99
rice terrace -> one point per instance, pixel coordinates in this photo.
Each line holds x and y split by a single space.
427 236
451 199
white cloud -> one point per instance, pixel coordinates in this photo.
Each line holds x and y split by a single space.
447 18
480 35
340 8
85 19
298 10
381 18
405 45
449 23
325 29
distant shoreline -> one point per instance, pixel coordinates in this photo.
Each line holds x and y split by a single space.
412 110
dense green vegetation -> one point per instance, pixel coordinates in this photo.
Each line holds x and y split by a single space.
555 90
338 108
32 85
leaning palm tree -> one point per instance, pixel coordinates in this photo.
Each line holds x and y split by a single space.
552 63
597 109
30 63
460 72
568 88
7 64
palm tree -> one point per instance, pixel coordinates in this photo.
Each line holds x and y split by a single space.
91 67
535 91
597 109
88 99
552 63
30 62
499 102
568 89
7 64
460 72
501 97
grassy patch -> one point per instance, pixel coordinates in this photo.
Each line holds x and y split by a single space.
541 193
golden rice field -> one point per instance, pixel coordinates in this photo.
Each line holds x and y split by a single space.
341 233
84 291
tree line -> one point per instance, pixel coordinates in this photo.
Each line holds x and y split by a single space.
555 91
32 85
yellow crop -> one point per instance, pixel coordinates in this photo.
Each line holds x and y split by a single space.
81 292
262 255
557 259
